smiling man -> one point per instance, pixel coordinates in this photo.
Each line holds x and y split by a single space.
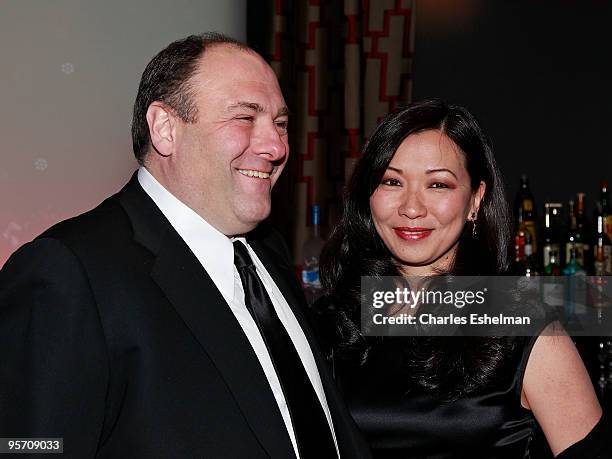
167 322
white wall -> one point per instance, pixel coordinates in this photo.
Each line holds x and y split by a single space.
69 72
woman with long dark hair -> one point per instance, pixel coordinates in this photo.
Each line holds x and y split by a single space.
427 199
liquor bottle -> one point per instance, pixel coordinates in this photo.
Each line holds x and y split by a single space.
597 288
550 235
524 260
574 237
606 211
573 267
519 243
576 285
530 265
599 265
311 250
527 214
603 249
583 233
601 260
553 268
552 287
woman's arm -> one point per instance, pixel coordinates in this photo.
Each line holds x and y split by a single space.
557 389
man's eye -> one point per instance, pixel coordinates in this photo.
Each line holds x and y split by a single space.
245 118
439 185
391 182
282 125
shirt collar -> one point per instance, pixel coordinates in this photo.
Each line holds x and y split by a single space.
213 249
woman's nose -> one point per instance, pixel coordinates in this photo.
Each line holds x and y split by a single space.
412 206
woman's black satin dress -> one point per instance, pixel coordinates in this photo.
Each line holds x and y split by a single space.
489 424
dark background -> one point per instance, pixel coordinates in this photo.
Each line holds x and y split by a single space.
537 74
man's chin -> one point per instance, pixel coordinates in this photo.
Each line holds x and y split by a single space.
249 216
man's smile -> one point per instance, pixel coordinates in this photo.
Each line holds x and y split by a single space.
254 173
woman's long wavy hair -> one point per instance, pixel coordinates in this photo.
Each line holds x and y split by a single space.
355 249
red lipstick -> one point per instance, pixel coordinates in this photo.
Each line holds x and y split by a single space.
412 233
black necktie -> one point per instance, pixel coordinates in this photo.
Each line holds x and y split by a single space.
314 437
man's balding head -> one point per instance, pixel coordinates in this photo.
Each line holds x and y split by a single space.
167 78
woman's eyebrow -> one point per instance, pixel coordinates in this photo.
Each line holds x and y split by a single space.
428 171
440 169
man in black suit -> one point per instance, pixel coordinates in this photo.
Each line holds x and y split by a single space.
167 322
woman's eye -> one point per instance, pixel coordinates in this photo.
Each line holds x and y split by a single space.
439 185
391 182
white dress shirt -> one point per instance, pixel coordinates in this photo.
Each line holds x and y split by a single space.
215 252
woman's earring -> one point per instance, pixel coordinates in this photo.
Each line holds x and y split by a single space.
474 227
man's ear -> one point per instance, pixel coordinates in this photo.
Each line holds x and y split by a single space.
162 128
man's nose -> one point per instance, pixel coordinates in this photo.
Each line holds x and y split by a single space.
270 140
412 205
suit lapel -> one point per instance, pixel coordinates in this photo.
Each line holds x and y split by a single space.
205 312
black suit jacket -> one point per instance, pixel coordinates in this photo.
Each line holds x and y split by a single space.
114 337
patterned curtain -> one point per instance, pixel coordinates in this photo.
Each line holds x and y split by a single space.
342 66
